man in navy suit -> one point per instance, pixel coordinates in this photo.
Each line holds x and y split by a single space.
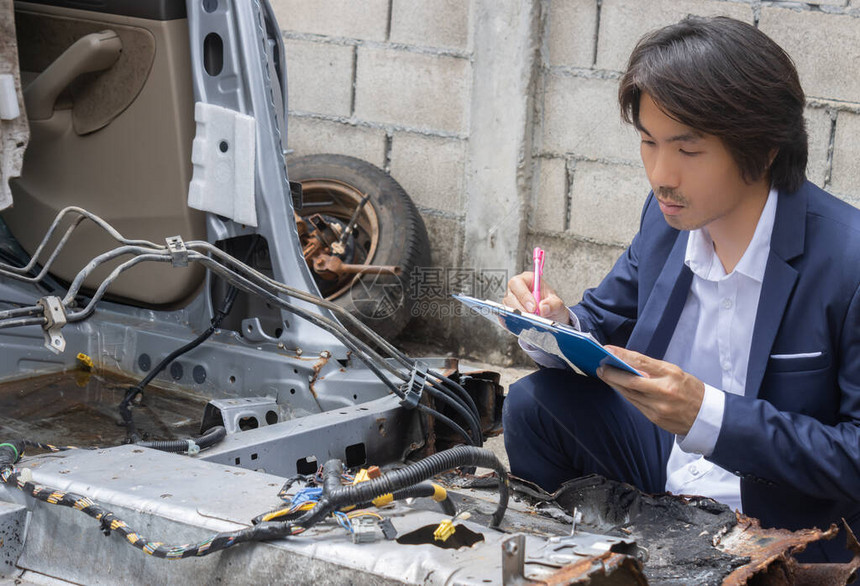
738 300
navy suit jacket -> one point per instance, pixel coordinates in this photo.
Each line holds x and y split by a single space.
794 436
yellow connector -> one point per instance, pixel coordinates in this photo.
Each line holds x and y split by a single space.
362 476
383 500
85 362
444 530
439 493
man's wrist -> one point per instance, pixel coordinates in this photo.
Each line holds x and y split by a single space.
705 430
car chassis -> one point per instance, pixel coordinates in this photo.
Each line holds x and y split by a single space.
314 392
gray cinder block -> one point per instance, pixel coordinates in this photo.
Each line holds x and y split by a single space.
606 201
319 76
825 48
818 128
581 117
623 22
549 209
308 136
430 169
366 20
572 32
432 23
846 163
416 90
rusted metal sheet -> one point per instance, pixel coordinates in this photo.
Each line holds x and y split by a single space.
689 540
771 555
607 569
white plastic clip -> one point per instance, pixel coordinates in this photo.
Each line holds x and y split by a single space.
55 319
193 448
177 249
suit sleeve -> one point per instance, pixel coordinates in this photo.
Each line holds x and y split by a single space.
758 442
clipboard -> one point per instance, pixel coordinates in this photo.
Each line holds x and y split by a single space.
579 350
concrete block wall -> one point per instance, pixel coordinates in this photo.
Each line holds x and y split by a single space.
590 183
404 85
500 119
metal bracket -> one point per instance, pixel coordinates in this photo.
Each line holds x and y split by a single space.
241 413
513 560
178 252
55 319
412 392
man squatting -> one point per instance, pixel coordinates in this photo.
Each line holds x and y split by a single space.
739 300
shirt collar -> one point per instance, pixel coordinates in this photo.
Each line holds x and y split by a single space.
703 260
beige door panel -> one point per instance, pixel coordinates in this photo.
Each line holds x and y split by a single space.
118 143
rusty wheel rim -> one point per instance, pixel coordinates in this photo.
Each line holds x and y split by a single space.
334 198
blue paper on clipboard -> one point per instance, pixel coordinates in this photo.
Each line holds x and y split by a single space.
579 350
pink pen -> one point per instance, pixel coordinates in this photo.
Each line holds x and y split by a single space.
538 256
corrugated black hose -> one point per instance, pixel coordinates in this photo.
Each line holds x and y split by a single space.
425 490
212 436
335 496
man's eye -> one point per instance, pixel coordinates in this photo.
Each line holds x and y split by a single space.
689 153
648 142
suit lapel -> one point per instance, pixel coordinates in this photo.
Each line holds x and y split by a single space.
658 318
786 243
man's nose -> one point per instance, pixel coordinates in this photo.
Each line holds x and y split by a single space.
664 172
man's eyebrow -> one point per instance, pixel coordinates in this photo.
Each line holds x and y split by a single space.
688 136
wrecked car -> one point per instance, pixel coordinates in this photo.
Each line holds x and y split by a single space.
189 391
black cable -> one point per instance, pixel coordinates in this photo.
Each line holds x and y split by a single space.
212 436
462 410
214 324
337 497
459 390
425 489
342 334
208 439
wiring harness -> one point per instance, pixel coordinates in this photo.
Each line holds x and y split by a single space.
333 498
191 447
52 313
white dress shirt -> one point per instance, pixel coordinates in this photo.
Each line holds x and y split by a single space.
712 342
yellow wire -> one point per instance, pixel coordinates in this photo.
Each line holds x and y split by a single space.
363 514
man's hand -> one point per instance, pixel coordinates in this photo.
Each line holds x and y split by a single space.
519 296
666 395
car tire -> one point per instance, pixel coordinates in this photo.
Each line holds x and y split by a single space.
389 231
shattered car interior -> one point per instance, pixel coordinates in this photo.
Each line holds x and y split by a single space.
179 402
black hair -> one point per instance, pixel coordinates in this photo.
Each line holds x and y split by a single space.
726 78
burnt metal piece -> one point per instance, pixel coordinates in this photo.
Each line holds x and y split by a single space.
771 550
692 540
584 567
608 568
